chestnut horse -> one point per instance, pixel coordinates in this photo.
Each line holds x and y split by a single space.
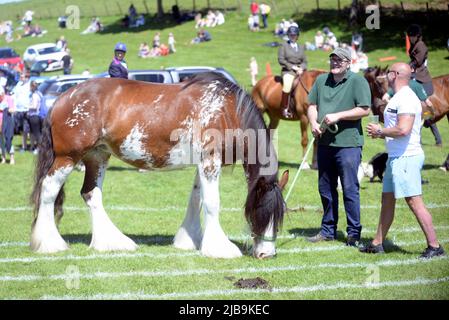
157 126
267 94
377 79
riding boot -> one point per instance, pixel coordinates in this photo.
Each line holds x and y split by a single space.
285 105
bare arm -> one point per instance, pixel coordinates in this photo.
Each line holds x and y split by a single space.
403 128
312 114
353 114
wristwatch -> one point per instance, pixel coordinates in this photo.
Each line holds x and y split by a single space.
379 132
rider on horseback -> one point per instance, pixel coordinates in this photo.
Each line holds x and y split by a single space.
293 61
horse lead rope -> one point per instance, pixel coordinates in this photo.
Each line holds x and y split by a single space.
324 126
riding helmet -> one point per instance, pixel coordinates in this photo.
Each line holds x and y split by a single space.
293 30
120 46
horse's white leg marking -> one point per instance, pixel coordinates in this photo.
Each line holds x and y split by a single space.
45 237
190 234
215 243
105 235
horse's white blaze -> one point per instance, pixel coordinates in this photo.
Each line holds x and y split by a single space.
189 235
264 248
45 237
215 243
105 235
133 147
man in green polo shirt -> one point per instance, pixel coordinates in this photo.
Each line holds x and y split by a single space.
340 97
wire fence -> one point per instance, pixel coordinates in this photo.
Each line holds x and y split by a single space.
48 9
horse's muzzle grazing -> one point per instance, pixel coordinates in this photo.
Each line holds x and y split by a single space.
264 248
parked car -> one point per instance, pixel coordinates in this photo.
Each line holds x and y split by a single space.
44 52
9 58
180 74
53 87
170 75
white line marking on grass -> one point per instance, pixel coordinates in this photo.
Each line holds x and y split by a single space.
181 255
210 293
182 209
247 237
183 273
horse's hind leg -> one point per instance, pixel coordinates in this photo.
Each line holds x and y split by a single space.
45 237
215 243
105 235
190 234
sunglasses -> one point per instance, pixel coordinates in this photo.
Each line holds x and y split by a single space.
390 71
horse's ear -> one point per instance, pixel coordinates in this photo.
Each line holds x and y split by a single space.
284 180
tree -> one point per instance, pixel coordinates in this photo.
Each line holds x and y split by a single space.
160 9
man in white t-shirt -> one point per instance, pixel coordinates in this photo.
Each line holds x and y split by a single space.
405 159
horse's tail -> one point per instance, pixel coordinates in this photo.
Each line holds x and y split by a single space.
45 160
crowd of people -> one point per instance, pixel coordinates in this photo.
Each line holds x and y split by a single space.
258 11
212 19
157 49
21 111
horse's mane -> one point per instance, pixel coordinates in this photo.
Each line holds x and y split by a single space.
250 115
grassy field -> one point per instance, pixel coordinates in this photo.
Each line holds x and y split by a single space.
149 207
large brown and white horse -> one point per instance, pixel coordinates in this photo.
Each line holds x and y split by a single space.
267 95
203 122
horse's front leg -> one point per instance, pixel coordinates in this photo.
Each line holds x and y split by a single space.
215 243
105 235
190 234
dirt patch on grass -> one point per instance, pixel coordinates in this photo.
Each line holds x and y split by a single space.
252 283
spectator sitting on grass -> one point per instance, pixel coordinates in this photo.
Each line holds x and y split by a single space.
144 50
202 36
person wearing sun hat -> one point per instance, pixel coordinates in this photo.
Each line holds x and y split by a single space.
340 98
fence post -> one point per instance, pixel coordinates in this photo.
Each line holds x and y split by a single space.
273 4
239 5
106 9
208 4
146 8
224 6
295 3
339 7
119 8
318 5
402 7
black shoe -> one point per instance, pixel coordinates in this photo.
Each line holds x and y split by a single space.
371 248
318 238
432 252
352 242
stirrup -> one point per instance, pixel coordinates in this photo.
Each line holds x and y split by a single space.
286 113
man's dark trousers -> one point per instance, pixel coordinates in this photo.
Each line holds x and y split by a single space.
332 163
